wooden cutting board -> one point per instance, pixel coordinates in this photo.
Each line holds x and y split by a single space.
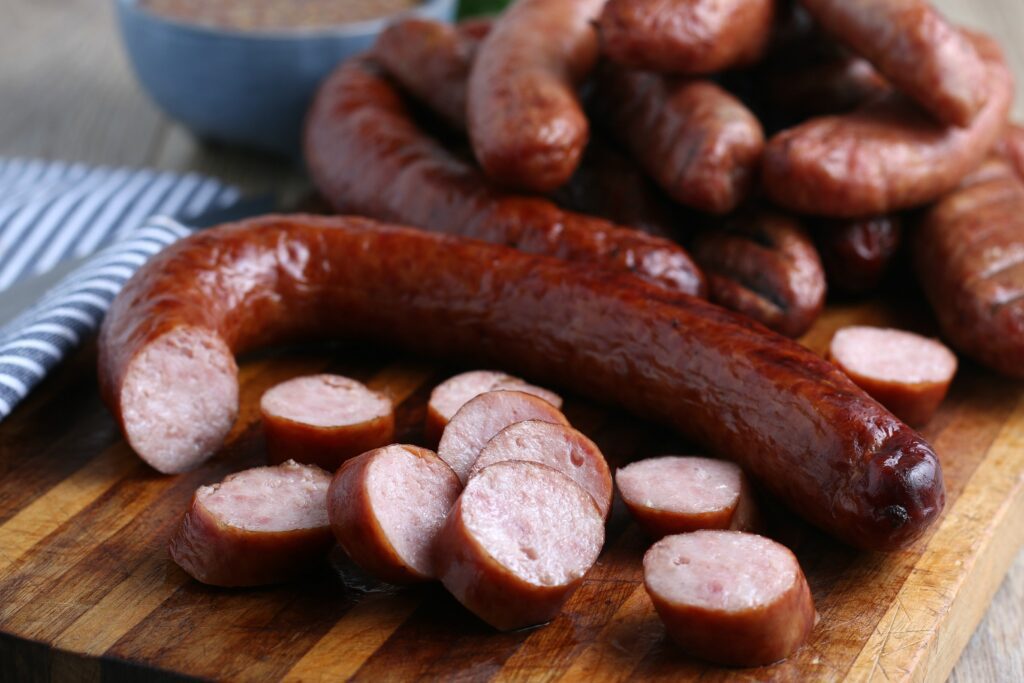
87 589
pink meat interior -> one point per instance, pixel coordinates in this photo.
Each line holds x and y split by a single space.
411 496
688 485
720 570
892 355
283 498
179 399
535 521
325 401
455 392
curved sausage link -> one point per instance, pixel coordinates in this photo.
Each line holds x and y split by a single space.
367 156
886 156
793 421
526 124
764 265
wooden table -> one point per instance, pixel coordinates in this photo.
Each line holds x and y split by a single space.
66 92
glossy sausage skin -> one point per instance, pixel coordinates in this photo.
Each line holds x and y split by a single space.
764 265
367 156
914 47
856 253
697 141
431 60
969 255
795 423
526 123
886 156
698 37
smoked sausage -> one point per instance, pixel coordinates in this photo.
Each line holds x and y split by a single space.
526 123
885 156
792 420
367 156
857 253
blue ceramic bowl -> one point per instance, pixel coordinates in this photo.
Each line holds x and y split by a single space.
249 88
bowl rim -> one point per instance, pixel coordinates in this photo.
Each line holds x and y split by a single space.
349 30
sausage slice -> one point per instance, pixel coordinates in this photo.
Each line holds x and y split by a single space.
518 543
324 420
729 597
450 395
260 526
907 373
673 494
387 506
558 446
480 419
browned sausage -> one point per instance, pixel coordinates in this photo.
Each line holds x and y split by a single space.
386 508
856 253
431 60
907 373
482 418
674 494
324 420
515 563
455 392
526 124
764 265
884 157
1010 147
729 597
367 156
698 142
914 47
968 252
260 526
792 420
693 37
558 446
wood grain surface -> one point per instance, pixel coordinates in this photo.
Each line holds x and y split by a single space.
83 525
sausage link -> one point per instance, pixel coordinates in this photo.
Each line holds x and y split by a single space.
794 422
525 121
969 256
697 141
916 49
367 156
764 265
698 37
884 157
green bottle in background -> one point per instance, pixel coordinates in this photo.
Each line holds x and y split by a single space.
469 8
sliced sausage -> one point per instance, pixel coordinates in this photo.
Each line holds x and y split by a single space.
386 508
968 252
453 393
907 373
558 446
482 417
526 124
764 265
857 253
886 156
518 542
729 597
674 494
324 420
260 526
691 37
166 353
915 48
697 141
431 60
368 156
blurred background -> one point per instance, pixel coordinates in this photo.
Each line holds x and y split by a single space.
67 92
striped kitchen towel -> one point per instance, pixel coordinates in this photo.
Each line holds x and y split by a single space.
52 211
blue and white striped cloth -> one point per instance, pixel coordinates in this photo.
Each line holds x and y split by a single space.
52 211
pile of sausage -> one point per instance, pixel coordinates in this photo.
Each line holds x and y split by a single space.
406 514
746 151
